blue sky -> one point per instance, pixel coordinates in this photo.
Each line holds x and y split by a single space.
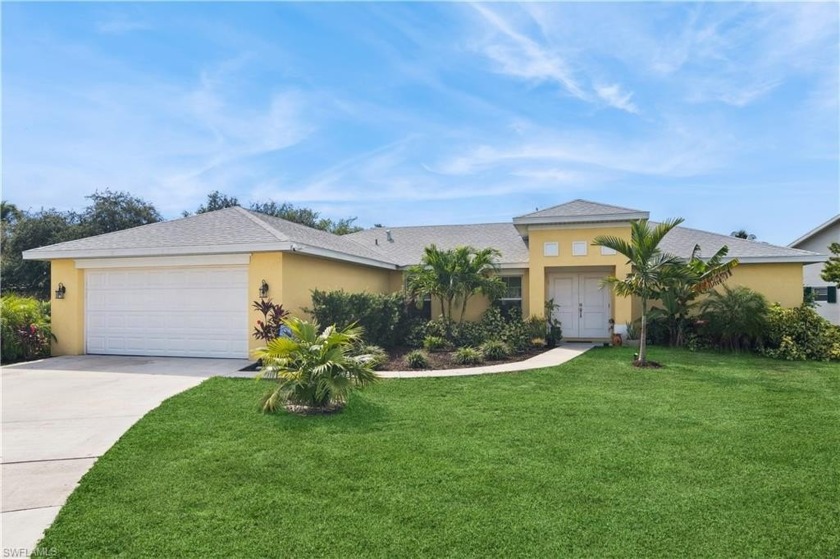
401 114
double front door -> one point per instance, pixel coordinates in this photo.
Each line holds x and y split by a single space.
584 305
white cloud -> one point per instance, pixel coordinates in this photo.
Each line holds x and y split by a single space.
524 56
615 97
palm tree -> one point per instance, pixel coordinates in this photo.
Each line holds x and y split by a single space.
454 276
314 370
742 234
477 273
651 269
678 295
736 317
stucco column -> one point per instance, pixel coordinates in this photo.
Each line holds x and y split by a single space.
67 314
536 291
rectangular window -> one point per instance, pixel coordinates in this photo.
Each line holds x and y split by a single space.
827 294
512 299
579 248
607 251
551 249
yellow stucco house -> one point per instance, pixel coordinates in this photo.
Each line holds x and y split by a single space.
185 287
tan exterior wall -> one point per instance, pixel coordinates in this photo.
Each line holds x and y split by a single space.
68 314
780 283
565 237
266 266
302 274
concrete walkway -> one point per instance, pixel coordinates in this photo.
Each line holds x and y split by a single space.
550 358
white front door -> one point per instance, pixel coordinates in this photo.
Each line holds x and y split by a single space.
584 306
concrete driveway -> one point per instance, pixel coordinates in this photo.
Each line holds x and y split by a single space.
61 414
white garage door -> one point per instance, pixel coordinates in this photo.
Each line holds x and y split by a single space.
179 312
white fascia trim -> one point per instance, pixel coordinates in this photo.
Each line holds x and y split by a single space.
38 254
336 255
514 266
166 261
778 259
581 219
816 230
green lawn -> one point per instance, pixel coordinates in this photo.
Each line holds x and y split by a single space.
713 455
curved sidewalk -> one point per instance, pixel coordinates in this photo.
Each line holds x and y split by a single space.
550 358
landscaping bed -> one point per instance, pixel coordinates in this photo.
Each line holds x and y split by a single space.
446 359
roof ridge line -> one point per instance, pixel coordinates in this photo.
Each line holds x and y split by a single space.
277 234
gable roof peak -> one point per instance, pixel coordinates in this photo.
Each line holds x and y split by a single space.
579 211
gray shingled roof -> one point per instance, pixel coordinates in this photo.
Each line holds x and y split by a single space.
231 230
236 230
303 235
581 209
680 241
407 244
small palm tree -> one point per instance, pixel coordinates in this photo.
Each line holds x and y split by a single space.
454 276
651 269
314 370
736 317
678 296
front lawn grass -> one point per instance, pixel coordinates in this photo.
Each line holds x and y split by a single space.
714 455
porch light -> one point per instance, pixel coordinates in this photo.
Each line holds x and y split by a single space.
59 293
263 290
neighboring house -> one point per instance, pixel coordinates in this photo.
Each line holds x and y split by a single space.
185 287
824 293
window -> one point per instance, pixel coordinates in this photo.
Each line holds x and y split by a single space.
827 294
607 251
512 299
551 249
579 248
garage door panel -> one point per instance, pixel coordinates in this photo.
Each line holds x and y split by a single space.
191 312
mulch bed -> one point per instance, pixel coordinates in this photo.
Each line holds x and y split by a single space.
443 359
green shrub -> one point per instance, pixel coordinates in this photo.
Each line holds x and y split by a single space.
384 318
415 334
495 350
800 334
436 343
417 360
25 332
377 356
467 356
735 318
536 327
511 330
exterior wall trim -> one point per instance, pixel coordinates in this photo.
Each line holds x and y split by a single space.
166 261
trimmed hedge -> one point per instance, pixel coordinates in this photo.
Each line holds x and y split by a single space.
385 318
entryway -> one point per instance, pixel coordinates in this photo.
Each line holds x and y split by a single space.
584 305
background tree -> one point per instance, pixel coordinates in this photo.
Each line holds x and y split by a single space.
115 211
217 201
24 230
651 269
32 230
831 270
306 216
742 234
